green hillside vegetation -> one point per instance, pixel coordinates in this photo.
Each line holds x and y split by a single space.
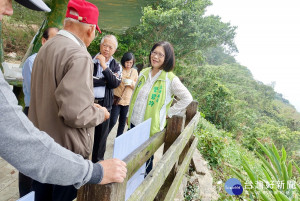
236 109
17 32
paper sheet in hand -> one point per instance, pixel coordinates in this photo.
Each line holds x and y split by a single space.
126 144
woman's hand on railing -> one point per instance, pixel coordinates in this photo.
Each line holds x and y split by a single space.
114 170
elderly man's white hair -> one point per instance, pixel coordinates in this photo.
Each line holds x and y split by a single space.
74 12
67 19
111 37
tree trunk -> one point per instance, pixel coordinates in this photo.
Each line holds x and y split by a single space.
1 49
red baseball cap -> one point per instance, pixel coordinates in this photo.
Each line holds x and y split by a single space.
87 12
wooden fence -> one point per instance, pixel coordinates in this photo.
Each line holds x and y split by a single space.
163 182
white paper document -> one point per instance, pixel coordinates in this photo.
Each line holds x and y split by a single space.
125 144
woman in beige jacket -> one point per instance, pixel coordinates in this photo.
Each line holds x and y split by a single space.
123 93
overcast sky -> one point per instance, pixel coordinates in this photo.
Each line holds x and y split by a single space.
268 39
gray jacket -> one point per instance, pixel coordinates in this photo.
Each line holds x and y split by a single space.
34 153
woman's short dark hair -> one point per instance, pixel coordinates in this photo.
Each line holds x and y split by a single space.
169 62
127 57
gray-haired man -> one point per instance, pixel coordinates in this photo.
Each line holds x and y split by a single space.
108 76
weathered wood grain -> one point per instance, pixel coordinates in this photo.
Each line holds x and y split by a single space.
151 185
174 128
8 182
181 170
174 147
134 161
191 111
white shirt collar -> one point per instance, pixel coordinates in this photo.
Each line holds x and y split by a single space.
152 79
72 37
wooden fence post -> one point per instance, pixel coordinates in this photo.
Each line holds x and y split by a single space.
175 126
191 111
108 192
116 192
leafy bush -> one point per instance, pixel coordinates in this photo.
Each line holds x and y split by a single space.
211 146
211 142
278 180
191 192
19 29
16 36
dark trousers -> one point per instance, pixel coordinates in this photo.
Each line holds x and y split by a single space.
24 184
101 134
24 181
149 163
26 110
50 192
115 112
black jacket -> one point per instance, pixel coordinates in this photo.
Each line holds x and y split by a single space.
110 81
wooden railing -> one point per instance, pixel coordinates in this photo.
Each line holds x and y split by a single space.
163 182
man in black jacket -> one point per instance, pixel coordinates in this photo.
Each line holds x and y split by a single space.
107 76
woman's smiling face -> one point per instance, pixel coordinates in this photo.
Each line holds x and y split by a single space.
157 57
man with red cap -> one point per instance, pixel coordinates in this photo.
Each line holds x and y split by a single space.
62 98
34 152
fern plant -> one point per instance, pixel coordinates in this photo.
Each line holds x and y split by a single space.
277 183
